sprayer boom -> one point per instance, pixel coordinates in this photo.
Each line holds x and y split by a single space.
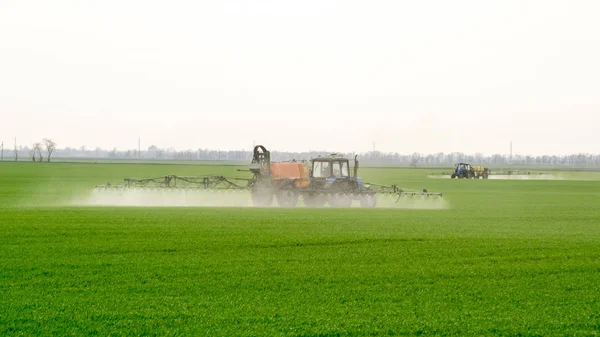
319 181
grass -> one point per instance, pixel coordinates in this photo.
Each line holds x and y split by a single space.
507 258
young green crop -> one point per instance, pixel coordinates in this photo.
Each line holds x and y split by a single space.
505 258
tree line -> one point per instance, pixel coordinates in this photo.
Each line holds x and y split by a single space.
36 152
48 148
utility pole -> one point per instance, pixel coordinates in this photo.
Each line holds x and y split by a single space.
16 151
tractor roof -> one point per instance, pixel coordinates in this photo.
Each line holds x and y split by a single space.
329 159
332 157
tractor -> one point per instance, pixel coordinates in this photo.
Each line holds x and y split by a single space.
327 180
331 182
466 171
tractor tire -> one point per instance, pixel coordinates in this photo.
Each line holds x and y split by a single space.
316 200
453 175
261 197
368 200
286 197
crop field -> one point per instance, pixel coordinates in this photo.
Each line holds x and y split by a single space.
497 257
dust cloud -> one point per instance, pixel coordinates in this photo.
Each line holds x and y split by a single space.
225 198
164 198
528 177
544 176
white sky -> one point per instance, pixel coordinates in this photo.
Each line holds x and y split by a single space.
411 76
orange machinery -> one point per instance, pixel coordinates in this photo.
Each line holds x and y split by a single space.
291 170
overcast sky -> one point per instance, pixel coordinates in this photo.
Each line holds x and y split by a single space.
411 76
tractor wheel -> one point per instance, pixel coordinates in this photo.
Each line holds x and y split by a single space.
287 197
453 175
262 197
315 200
368 200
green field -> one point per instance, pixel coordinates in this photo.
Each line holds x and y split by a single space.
503 257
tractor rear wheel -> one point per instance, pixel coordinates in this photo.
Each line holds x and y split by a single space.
287 197
262 197
314 200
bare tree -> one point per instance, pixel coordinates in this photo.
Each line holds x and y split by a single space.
50 146
37 148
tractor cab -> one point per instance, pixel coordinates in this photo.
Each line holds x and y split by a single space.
333 175
460 167
332 167
463 170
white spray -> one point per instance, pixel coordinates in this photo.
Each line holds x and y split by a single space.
224 198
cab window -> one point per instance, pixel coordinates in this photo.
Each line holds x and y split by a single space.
345 170
340 169
321 169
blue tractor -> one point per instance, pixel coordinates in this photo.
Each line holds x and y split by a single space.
331 182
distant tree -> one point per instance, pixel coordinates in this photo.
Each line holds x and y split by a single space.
37 149
50 147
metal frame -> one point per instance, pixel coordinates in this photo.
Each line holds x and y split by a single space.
207 182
